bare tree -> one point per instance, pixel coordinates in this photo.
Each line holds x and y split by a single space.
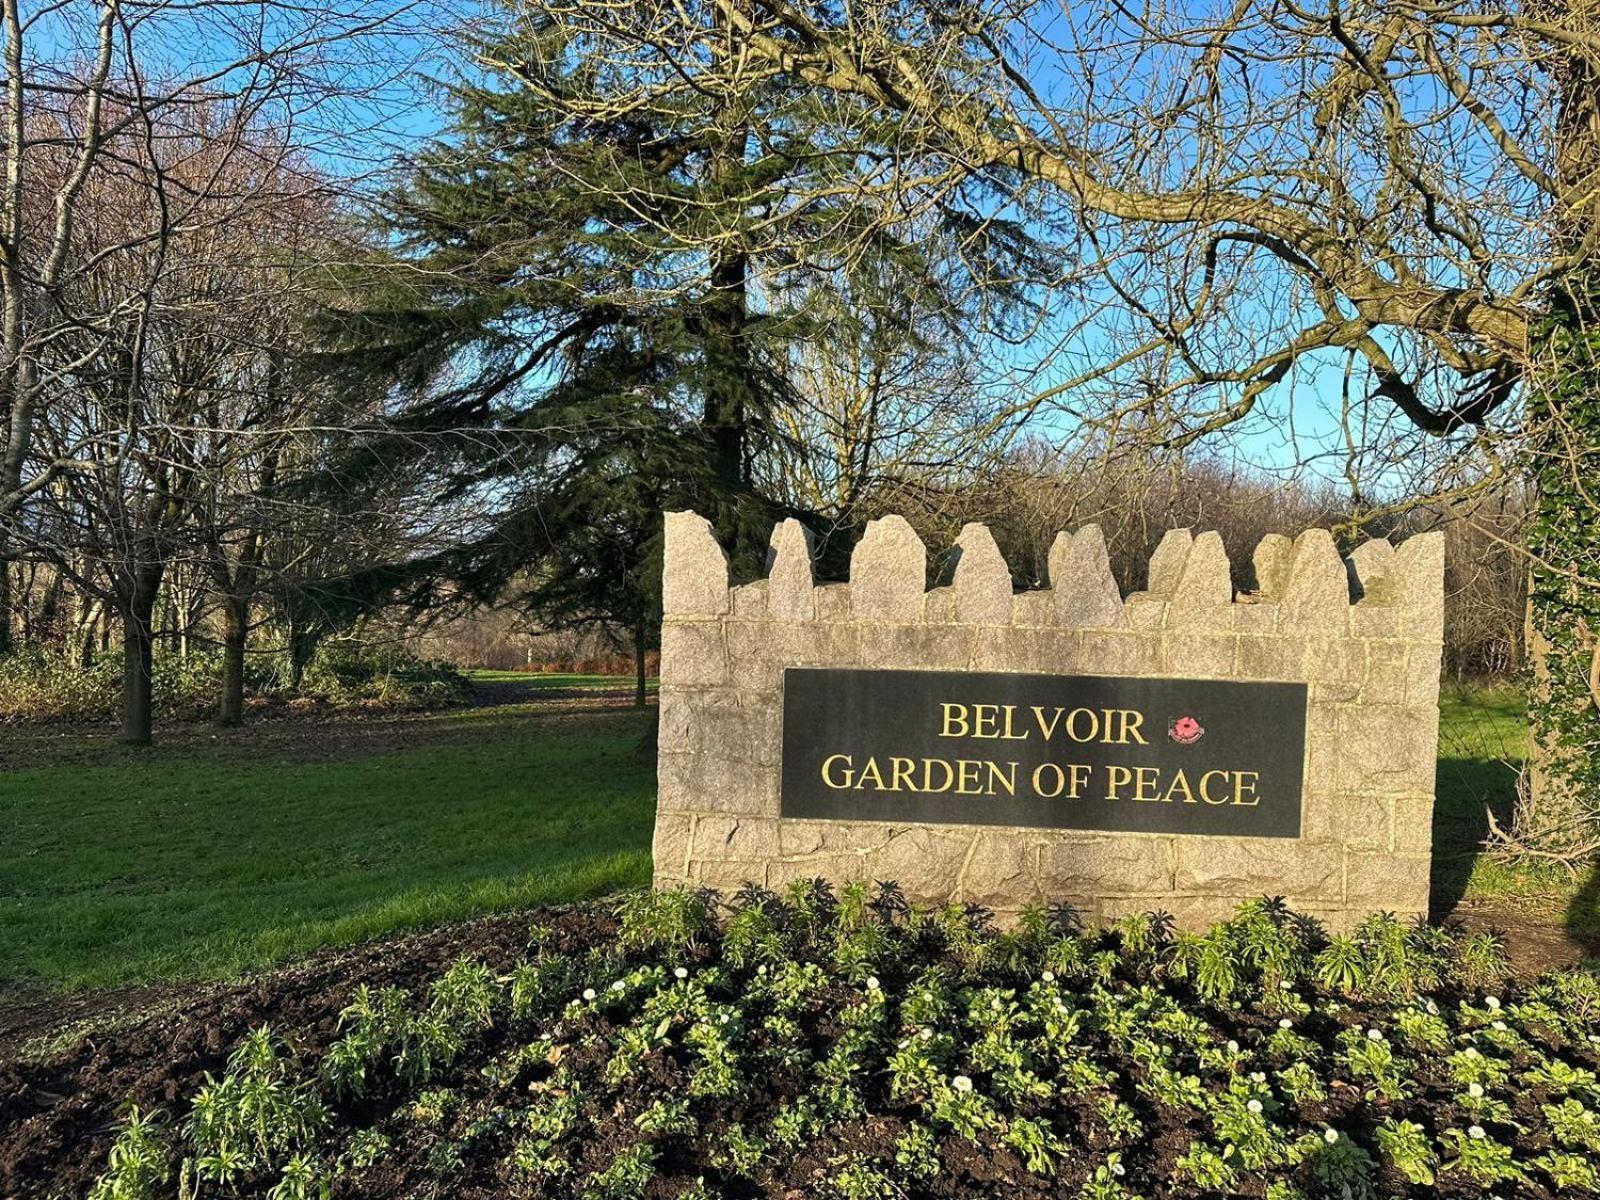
1249 196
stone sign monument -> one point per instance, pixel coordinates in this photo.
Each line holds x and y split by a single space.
1181 749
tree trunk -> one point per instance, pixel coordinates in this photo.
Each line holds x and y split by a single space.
1558 812
235 633
638 665
138 636
7 644
302 645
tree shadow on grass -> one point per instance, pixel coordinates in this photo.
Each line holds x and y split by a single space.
1467 790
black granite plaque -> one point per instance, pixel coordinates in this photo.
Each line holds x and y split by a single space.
1192 756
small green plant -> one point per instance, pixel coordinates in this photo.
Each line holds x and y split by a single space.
1407 1147
626 1178
140 1161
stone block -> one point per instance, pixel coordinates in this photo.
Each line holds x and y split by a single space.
1203 596
1197 913
939 606
982 581
1033 610
1255 618
1271 560
790 579
835 868
1316 599
1419 586
1029 651
1422 674
710 783
1371 620
1335 660
1167 561
924 861
694 578
1370 565
1108 652
694 654
1236 866
800 838
731 836
1386 671
1081 583
1387 748
1412 824
1359 819
670 846
1381 882
750 601
832 602
1279 659
997 872
1145 612
1198 655
1105 864
728 876
888 572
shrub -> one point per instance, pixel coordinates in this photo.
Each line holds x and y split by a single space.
778 1050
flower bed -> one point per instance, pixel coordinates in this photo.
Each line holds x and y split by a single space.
847 1046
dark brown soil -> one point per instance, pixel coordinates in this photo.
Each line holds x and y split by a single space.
154 1045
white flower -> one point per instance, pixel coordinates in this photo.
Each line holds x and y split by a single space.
1258 1076
1253 1105
995 1004
1499 1025
1475 1132
681 973
762 969
723 1019
872 983
588 993
1493 1002
1595 1038
1233 1046
904 1042
1474 1090
1048 976
1330 1136
1285 986
1375 1035
926 1035
1118 1169
618 986
1433 1008
1285 1023
961 1083
1470 1052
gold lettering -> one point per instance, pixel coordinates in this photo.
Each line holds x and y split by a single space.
1116 777
985 720
927 775
954 715
1048 730
1205 787
1180 780
1239 789
1145 780
1011 711
1132 720
1060 780
1080 777
1072 725
901 772
873 772
828 779
967 777
1007 778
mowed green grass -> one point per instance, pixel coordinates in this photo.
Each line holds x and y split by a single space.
204 861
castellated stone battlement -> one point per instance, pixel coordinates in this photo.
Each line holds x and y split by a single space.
1363 633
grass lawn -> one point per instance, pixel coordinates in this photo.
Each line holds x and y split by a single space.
208 856
201 858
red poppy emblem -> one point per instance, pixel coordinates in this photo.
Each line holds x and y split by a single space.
1185 731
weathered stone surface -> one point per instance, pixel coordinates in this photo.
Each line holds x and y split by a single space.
726 836
1198 655
1272 559
888 572
694 654
694 581
1317 597
982 581
1167 562
1396 883
1085 591
1419 583
790 581
750 601
1107 864
1371 669
1203 596
1258 866
670 848
1271 658
1370 566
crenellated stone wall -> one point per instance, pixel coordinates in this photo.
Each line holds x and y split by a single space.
1362 633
